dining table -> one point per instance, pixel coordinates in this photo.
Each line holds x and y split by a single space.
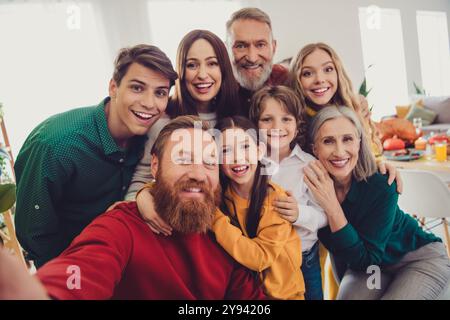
426 163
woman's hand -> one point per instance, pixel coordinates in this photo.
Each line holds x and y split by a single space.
147 210
287 207
394 174
322 187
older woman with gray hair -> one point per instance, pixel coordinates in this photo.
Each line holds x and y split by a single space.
379 252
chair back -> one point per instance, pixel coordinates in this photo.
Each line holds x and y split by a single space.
424 194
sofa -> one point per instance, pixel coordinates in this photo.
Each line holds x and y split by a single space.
441 106
434 112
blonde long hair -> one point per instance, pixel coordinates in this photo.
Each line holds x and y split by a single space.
344 95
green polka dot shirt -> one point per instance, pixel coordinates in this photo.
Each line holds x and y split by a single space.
69 171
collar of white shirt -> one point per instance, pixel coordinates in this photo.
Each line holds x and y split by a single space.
297 155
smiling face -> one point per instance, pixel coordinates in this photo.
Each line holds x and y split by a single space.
240 157
278 125
203 76
190 163
137 102
337 147
318 77
253 49
187 176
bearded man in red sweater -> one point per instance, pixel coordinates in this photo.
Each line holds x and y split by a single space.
118 257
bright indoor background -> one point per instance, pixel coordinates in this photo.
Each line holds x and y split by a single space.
57 55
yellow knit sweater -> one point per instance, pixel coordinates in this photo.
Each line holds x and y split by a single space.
275 253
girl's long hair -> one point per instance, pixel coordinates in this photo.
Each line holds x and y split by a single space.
260 183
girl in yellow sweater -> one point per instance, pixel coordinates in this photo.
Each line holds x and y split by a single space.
248 226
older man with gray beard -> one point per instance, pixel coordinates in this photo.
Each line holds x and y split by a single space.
251 46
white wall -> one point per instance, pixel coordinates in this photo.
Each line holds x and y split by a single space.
299 22
295 23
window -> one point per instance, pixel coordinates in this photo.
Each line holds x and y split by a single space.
434 52
52 60
171 20
382 44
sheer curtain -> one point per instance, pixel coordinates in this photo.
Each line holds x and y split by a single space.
434 52
383 48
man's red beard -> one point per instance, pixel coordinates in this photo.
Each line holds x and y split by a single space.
185 215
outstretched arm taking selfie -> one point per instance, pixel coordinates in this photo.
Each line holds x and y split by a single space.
15 281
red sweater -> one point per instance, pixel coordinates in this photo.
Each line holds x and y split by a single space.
119 257
278 76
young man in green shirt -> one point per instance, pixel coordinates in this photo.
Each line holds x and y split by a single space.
74 165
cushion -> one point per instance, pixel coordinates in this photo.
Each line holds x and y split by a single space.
441 106
436 128
416 111
402 111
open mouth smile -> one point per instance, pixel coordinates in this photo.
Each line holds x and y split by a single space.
320 91
203 87
143 115
339 163
277 135
240 170
192 192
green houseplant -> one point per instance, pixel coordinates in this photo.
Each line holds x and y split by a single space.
419 90
7 188
363 87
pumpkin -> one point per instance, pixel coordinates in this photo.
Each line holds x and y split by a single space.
393 143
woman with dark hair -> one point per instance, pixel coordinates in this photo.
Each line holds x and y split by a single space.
205 87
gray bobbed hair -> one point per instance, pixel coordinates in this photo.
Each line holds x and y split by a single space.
366 165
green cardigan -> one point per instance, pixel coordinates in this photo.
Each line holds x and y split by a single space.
378 232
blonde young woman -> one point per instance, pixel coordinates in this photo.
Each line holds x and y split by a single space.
318 77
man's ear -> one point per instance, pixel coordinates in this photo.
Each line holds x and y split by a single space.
112 89
274 46
154 165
